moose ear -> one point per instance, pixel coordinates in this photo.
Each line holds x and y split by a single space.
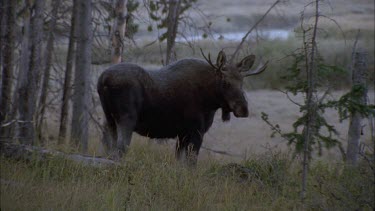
221 59
246 63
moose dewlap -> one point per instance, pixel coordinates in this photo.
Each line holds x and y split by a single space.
177 101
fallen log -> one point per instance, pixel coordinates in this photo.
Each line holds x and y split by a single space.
27 152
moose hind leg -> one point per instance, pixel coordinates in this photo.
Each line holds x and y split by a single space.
125 128
109 137
181 145
126 101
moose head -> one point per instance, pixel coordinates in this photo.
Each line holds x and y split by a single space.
230 83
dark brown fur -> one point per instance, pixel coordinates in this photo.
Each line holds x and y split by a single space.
180 100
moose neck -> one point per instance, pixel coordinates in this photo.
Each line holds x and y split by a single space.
214 98
199 81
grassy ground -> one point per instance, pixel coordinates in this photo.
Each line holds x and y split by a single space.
150 179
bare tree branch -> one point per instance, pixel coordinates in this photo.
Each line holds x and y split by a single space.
221 152
250 30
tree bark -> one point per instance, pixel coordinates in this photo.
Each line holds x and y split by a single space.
359 77
173 16
82 78
47 67
7 58
67 90
29 72
2 35
23 69
118 33
310 126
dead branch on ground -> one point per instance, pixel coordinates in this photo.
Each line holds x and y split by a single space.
27 152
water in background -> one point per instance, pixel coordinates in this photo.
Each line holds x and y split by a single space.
270 34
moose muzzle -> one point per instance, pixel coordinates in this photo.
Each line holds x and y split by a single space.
240 109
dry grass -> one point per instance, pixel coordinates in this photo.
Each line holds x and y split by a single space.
150 179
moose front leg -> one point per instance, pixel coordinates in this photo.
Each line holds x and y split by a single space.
192 149
187 148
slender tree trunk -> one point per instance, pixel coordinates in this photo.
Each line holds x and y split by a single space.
29 72
2 36
82 78
118 33
7 48
67 90
23 70
310 127
173 16
359 77
47 67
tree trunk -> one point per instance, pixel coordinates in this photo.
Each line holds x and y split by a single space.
359 77
82 78
29 72
310 126
173 16
47 67
7 57
67 90
2 36
118 33
23 70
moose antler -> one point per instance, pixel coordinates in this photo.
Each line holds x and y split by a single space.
258 70
209 60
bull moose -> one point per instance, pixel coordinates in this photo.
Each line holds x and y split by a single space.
179 100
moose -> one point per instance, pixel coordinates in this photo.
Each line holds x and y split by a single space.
177 101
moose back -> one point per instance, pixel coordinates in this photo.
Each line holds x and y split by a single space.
177 101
